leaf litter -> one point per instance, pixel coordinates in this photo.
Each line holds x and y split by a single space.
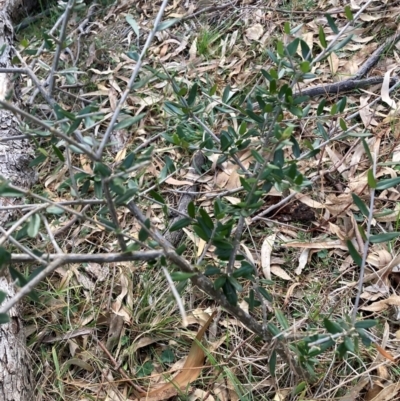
281 252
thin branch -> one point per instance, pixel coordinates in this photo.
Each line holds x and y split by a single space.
27 288
366 245
59 48
93 258
54 131
131 80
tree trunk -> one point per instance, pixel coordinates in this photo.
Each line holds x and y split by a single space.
16 382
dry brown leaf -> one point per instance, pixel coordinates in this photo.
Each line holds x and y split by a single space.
386 394
303 259
173 181
279 272
190 371
254 32
385 353
393 300
316 245
266 251
354 392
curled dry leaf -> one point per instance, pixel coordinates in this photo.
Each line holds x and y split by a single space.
190 371
254 32
393 300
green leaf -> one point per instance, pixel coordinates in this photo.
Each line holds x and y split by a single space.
219 282
5 257
332 327
360 204
332 24
349 344
272 363
180 224
191 210
206 219
34 225
343 43
192 94
230 292
371 179
3 296
387 183
367 150
235 284
211 271
167 356
383 237
292 47
305 66
353 253
281 319
166 24
4 318
132 22
322 38
365 324
286 28
143 234
321 106
348 13
127 122
58 153
181 276
265 294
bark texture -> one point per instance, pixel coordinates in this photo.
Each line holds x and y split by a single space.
16 382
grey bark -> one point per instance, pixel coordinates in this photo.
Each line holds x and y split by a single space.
16 382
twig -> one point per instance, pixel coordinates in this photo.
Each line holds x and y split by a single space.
131 80
91 257
366 244
27 288
56 59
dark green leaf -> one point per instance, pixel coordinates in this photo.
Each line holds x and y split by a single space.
365 324
387 183
383 237
272 363
4 318
353 253
143 233
180 224
360 204
280 317
181 276
58 153
230 292
5 257
219 282
265 294
332 24
127 122
367 150
191 210
167 356
211 271
322 38
332 327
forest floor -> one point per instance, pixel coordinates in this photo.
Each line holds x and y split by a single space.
94 322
